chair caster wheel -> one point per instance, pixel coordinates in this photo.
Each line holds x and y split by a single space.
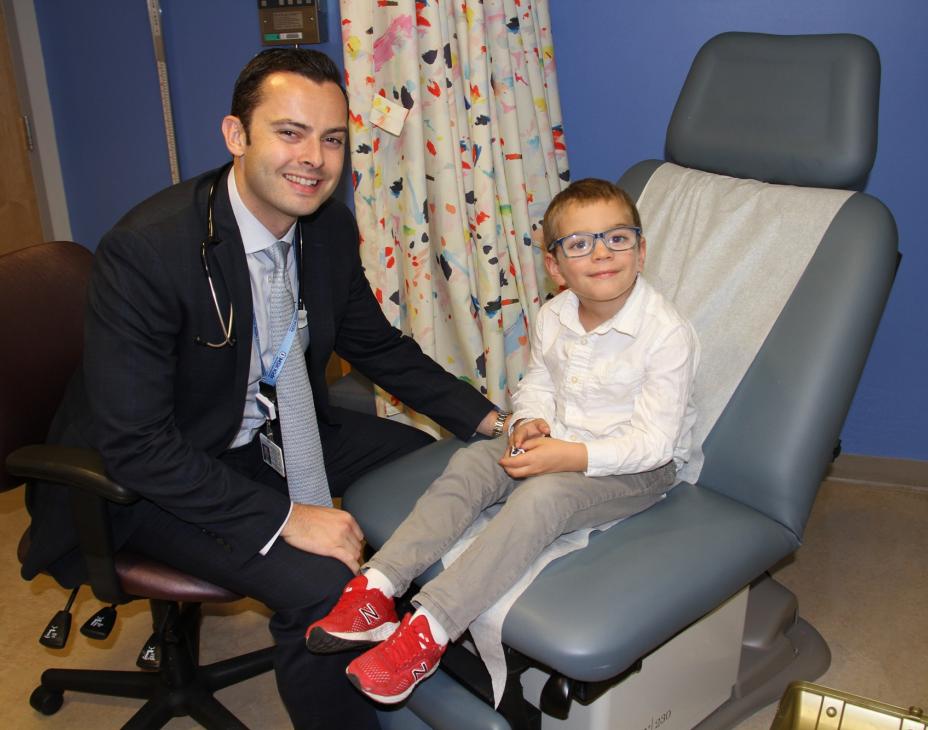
45 700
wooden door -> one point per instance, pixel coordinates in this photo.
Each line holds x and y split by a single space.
20 224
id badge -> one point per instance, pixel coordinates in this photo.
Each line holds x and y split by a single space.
267 401
271 451
272 454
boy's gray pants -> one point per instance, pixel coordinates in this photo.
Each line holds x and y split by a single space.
537 511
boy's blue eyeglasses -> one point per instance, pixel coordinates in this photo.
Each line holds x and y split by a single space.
620 238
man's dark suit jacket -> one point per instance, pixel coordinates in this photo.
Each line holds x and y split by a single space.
160 407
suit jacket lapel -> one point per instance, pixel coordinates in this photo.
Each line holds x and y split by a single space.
231 277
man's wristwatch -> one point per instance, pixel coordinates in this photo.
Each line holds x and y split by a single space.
500 422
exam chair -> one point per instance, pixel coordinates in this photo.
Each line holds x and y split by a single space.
670 619
41 317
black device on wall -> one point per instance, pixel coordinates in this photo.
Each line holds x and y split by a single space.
292 22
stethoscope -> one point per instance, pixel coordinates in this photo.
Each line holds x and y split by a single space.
225 325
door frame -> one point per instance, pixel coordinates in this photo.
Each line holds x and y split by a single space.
32 89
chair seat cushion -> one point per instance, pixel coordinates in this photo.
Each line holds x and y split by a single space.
593 613
146 578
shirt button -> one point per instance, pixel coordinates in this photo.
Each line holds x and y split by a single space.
574 379
583 340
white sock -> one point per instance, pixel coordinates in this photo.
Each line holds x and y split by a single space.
438 631
376 579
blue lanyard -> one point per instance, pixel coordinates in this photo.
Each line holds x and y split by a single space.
270 376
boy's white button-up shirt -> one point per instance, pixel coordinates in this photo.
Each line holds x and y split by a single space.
624 389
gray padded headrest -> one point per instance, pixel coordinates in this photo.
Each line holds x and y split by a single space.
797 110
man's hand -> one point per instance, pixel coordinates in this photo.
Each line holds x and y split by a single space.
545 456
325 531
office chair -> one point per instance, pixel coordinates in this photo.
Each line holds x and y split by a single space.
617 635
41 316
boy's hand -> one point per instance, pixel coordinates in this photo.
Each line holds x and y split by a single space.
545 456
528 428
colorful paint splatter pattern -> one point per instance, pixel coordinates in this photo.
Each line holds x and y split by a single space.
449 209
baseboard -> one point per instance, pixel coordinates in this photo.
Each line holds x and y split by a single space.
880 470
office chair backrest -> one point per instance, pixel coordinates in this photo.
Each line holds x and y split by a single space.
794 110
42 320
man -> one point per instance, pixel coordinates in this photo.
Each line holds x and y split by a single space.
175 390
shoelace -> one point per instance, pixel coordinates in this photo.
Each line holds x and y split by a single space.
398 649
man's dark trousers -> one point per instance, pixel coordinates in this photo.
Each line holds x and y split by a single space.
313 687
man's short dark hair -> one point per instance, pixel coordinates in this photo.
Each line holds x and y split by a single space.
314 65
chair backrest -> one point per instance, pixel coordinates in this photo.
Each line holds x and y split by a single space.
41 317
794 110
797 110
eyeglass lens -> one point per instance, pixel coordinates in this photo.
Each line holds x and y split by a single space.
617 239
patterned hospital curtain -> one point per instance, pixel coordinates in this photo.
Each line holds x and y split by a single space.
457 148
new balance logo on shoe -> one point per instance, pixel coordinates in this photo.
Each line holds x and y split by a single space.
369 614
391 671
362 616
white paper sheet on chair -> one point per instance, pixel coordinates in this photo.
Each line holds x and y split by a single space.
728 253
487 629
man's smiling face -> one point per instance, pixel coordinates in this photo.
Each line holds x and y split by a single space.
290 160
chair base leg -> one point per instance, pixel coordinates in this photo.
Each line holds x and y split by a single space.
193 702
238 669
193 698
100 682
180 688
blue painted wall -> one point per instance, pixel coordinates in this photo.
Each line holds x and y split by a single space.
104 93
103 84
620 68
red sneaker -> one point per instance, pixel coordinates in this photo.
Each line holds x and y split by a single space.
363 616
390 671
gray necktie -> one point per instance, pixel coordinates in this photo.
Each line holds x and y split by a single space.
306 477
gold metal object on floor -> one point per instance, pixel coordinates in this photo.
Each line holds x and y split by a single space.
807 706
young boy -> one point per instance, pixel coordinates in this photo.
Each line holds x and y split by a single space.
601 423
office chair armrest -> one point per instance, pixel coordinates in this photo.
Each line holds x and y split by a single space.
74 467
83 470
